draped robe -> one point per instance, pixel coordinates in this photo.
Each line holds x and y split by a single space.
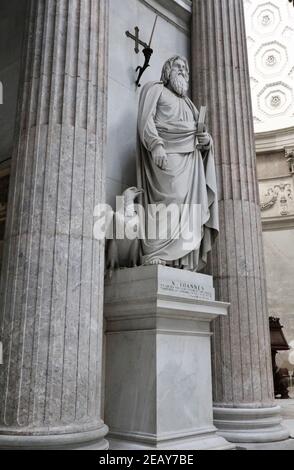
170 120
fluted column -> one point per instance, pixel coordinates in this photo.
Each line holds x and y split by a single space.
52 276
243 388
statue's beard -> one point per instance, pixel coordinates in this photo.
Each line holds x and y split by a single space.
179 84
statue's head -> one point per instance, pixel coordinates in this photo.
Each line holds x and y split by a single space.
175 74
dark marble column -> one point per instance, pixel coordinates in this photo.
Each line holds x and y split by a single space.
243 389
52 281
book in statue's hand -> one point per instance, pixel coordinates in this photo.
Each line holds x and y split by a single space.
201 120
201 124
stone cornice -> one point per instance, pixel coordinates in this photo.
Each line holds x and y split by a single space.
274 141
270 224
176 12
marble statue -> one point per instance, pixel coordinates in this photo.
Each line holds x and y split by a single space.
175 166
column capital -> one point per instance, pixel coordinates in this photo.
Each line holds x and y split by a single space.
289 155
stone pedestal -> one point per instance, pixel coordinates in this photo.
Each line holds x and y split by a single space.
158 359
51 319
245 410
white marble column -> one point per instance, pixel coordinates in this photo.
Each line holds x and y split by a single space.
243 389
52 277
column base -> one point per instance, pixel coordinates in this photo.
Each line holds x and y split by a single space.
10 439
207 440
250 425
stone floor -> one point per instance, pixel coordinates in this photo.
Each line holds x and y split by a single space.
287 407
283 445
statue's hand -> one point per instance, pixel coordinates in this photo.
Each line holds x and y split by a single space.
159 157
203 139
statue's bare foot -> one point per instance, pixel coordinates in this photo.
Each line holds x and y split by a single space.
156 262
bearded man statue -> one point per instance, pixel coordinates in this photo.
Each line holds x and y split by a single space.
176 169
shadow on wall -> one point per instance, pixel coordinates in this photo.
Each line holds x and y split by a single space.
12 24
